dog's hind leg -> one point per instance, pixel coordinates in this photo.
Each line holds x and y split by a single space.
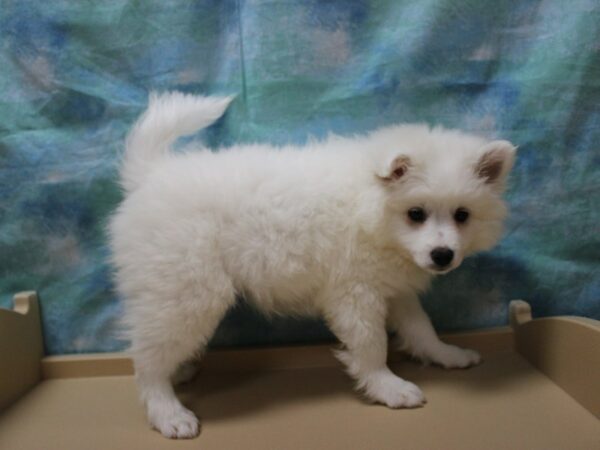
418 337
160 344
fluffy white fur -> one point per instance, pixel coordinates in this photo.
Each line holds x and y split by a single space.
319 230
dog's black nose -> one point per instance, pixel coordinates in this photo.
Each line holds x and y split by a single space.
442 256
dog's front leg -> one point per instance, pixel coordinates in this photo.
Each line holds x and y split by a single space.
418 337
357 318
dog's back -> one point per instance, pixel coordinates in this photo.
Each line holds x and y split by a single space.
271 221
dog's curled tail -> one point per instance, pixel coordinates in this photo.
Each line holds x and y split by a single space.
168 116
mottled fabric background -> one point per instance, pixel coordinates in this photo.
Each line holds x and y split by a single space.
75 74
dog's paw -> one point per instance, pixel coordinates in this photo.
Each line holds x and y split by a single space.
452 357
179 423
394 392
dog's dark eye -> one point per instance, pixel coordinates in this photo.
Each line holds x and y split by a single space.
417 215
461 215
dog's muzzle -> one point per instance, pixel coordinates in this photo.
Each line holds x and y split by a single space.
442 257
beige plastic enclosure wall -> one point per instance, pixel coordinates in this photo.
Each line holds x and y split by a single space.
538 388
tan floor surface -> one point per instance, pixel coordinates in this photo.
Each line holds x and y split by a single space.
503 404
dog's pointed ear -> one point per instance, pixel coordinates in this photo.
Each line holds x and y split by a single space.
495 162
394 169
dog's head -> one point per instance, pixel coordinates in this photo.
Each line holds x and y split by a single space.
443 193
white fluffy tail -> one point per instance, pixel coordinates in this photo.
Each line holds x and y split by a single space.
168 117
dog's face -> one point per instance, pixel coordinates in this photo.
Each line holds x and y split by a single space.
444 197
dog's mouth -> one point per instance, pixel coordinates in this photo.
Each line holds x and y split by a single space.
435 270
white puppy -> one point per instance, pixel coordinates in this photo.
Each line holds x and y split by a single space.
351 229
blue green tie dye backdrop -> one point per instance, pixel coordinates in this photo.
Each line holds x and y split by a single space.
74 75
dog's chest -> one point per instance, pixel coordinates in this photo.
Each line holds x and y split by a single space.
392 275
